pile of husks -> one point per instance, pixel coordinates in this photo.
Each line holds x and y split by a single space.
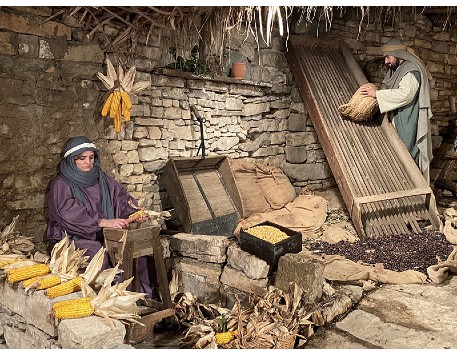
397 252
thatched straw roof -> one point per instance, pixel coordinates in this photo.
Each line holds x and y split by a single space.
210 26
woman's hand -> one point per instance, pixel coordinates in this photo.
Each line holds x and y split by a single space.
367 91
113 223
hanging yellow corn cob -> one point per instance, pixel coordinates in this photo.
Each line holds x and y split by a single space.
115 104
225 337
107 105
64 288
122 83
24 273
117 121
76 308
126 105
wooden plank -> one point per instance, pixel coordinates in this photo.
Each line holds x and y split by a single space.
161 274
340 173
392 195
215 193
176 194
228 179
198 209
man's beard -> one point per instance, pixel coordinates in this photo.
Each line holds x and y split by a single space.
394 65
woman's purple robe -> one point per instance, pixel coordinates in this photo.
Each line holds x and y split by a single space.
68 214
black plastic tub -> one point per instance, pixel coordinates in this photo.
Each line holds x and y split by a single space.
268 251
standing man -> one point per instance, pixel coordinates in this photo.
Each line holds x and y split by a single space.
407 98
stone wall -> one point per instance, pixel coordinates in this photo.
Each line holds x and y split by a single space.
50 92
26 323
214 269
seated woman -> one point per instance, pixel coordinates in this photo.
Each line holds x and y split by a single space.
82 200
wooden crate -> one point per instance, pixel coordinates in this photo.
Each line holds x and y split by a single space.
204 194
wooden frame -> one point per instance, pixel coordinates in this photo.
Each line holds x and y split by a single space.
327 75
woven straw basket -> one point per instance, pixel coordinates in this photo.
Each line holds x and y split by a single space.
360 108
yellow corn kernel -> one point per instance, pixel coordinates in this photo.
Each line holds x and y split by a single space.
126 102
126 113
65 303
76 308
225 337
107 105
268 233
4 263
42 282
48 281
64 288
27 272
115 104
138 214
28 282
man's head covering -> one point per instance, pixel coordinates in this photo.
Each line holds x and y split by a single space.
78 179
396 48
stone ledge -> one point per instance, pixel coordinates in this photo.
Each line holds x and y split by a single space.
223 79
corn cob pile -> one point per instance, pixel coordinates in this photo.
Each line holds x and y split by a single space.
75 283
120 86
268 233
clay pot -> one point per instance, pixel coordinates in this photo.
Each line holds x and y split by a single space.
238 70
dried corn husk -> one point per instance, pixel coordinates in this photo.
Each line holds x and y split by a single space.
156 218
114 301
360 108
271 321
66 260
12 242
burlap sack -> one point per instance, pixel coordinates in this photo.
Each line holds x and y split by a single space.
252 198
449 228
305 214
275 185
359 108
338 268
